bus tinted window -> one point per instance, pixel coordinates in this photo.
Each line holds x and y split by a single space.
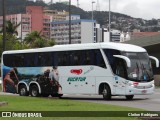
45 59
98 59
31 59
58 58
111 59
14 60
62 58
80 57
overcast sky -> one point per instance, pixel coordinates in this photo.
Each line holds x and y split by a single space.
146 9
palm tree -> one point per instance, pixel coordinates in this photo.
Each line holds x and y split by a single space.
36 40
11 33
31 37
11 29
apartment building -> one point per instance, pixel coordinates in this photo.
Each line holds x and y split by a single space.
39 21
82 31
33 20
56 15
25 26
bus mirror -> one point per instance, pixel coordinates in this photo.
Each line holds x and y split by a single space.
154 58
128 61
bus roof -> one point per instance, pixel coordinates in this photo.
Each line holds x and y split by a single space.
108 45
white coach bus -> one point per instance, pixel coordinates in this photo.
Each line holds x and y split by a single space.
108 69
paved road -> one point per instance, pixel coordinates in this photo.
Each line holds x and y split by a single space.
147 102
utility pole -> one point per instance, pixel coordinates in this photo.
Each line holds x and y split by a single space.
78 3
4 24
109 20
92 23
69 21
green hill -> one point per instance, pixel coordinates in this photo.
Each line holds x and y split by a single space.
18 6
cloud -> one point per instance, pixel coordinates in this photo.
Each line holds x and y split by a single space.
146 9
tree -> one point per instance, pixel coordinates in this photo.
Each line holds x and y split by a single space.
51 42
11 29
36 40
31 37
11 35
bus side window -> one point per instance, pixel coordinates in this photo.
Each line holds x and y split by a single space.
44 59
111 59
120 68
31 59
99 61
14 60
8 60
86 57
40 59
60 59
77 58
55 59
66 58
18 60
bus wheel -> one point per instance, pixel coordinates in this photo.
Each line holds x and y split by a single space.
34 91
106 92
129 97
23 90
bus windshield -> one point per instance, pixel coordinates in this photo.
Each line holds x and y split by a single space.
140 69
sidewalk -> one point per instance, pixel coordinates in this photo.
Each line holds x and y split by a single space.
3 103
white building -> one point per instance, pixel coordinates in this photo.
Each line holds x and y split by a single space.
102 34
82 31
115 35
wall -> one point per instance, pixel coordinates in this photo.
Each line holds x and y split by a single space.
86 32
36 17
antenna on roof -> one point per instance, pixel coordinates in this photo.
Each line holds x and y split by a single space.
51 2
77 3
98 6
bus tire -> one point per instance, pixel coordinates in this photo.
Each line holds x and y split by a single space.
23 90
106 92
129 97
34 91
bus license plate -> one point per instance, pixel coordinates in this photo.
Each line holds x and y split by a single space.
144 91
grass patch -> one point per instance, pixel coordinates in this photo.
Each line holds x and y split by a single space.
16 103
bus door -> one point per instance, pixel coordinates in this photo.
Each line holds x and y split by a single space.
120 75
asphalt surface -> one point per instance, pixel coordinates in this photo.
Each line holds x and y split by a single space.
146 102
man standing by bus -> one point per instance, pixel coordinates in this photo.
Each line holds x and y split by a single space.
54 75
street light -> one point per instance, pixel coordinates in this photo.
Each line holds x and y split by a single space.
69 21
4 24
92 8
92 22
